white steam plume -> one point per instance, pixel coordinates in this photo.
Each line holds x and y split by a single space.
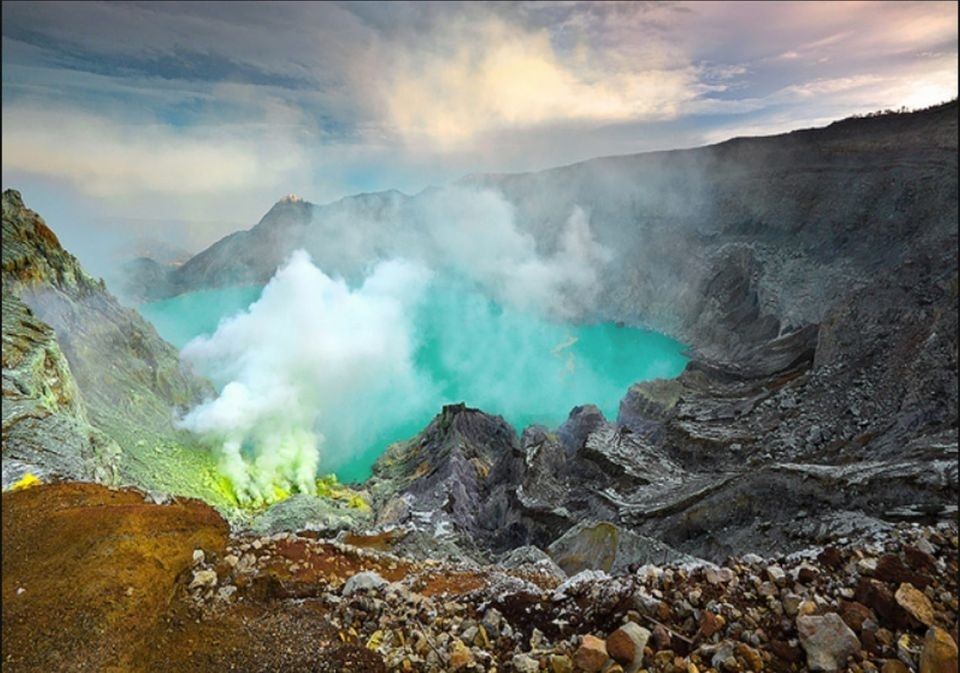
475 233
294 363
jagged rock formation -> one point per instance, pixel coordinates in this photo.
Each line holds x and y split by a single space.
716 462
89 387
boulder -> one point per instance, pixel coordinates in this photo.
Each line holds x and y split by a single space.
939 654
586 546
362 581
627 642
915 603
827 641
591 655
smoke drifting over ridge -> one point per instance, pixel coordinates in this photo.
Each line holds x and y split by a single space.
316 369
474 234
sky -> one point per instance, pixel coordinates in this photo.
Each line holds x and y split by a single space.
178 123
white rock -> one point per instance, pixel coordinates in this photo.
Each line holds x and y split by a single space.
362 581
524 663
718 575
776 574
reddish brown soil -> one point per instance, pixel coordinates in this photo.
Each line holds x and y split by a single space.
89 573
96 580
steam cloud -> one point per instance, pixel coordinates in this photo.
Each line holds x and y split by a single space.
297 368
475 234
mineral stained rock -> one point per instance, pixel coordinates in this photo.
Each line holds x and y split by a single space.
90 389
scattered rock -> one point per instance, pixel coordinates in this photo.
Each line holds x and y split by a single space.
750 656
776 575
363 581
718 575
524 663
878 597
460 656
660 638
203 578
855 614
710 624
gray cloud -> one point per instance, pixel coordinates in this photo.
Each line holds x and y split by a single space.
228 106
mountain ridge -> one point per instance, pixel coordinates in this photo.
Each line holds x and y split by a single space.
752 216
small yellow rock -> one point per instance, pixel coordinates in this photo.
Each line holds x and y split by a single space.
915 602
27 481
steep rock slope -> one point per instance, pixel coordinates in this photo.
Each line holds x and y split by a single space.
104 381
731 244
45 426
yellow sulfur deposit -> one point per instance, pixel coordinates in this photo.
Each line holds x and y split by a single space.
27 481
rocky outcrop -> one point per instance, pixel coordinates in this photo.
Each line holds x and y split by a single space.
467 478
445 475
86 381
46 432
781 452
360 224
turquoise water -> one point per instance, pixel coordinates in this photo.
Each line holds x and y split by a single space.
466 348
181 318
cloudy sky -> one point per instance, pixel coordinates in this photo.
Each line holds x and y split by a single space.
185 121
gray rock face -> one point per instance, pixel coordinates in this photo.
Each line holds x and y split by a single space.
90 388
45 426
582 421
447 472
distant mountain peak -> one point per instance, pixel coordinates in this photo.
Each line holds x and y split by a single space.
291 198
